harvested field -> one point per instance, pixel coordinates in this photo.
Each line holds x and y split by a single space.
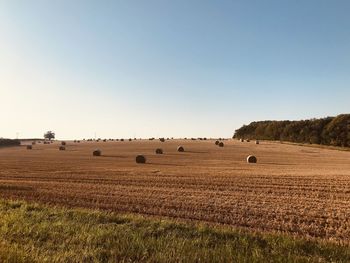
293 189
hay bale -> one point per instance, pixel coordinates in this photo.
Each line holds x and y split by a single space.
247 140
257 142
221 144
121 140
29 147
162 139
241 140
180 149
96 152
140 159
251 159
159 151
63 143
33 143
217 142
62 148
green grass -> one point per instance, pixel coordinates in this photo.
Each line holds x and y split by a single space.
38 233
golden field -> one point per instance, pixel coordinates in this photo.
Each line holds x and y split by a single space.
293 189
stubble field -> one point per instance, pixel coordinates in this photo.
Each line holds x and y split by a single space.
294 189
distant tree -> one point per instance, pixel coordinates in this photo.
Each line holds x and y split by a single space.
49 135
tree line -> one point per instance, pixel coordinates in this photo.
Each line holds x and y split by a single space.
327 131
9 142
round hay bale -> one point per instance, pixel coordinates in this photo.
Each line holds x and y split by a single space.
162 139
29 147
33 143
62 148
257 142
140 159
251 159
63 143
217 142
241 140
221 144
159 151
180 149
96 152
121 140
247 140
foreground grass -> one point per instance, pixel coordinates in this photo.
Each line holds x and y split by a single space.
37 233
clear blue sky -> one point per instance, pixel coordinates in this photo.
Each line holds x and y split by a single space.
169 68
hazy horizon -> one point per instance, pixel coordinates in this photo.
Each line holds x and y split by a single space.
124 69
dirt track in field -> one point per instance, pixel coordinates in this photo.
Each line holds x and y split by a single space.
294 189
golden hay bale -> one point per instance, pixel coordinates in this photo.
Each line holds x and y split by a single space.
121 140
162 139
247 140
62 148
140 159
63 143
159 151
96 152
221 144
29 147
251 159
180 149
241 140
257 142
217 142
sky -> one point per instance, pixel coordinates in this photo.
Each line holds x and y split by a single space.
161 68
